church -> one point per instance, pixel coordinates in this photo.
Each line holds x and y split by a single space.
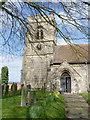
58 67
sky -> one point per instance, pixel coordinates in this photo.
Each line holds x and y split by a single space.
14 62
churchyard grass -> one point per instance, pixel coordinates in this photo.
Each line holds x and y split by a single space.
50 105
86 96
9 93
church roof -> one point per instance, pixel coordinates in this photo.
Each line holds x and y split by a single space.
72 54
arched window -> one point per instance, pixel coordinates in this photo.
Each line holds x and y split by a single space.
37 36
39 33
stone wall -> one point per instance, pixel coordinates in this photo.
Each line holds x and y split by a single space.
37 52
78 73
36 71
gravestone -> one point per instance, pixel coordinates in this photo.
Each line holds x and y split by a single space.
34 96
44 87
29 94
6 89
54 87
43 90
23 95
12 89
15 88
51 89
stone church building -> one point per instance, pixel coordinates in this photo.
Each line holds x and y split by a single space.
59 67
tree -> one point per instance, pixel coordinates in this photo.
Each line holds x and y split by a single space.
4 75
74 18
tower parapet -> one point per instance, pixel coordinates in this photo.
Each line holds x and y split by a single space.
40 25
43 18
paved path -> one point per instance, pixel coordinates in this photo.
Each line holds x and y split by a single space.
76 106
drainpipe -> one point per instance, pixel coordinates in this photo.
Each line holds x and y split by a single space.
87 74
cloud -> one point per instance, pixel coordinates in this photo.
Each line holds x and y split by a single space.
14 64
61 42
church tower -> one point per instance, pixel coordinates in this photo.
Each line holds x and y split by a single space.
40 42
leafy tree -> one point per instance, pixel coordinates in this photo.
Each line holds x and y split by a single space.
4 75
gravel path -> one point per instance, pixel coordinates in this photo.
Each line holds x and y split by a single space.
76 107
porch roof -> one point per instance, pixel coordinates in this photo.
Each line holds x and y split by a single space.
72 54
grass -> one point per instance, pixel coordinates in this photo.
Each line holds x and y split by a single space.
48 106
10 93
86 96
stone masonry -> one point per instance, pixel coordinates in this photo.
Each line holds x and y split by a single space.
44 61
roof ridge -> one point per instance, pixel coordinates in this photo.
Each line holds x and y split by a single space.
74 44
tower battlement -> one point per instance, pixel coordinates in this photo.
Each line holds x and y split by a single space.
40 28
43 18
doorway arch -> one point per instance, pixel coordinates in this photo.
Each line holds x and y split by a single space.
65 80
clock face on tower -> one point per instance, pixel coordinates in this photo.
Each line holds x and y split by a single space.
39 47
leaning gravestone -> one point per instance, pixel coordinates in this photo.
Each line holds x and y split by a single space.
23 95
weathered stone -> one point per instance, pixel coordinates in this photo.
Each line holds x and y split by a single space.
15 85
43 61
29 94
34 97
6 89
13 89
23 96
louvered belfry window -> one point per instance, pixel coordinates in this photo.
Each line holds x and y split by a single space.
39 34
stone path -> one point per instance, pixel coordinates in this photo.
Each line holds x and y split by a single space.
76 107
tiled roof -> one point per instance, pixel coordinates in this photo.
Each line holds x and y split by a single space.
18 86
72 54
